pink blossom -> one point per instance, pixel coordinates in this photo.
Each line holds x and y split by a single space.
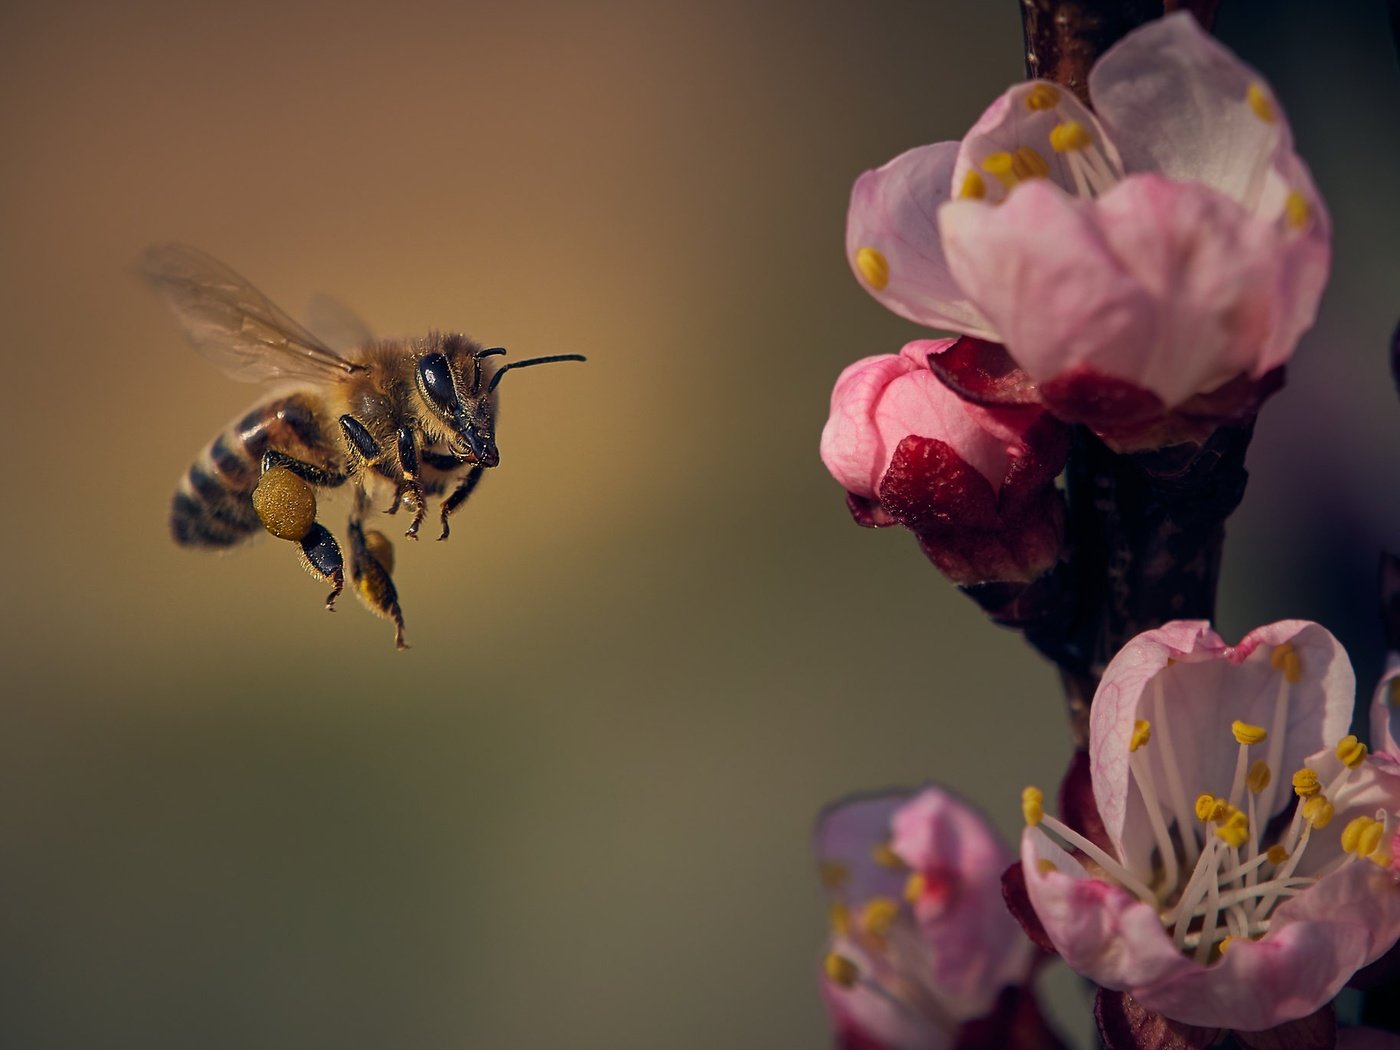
1209 903
1385 711
974 483
921 942
1167 244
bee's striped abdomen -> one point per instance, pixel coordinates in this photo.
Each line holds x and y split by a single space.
213 504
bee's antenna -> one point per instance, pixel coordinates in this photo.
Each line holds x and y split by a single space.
496 379
494 351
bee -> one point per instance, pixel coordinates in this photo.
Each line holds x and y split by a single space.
417 417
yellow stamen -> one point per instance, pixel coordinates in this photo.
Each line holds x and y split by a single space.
1042 96
1029 164
878 916
1259 776
1248 734
1259 102
973 188
1032 805
914 888
1235 829
1351 752
1297 211
1002 166
1209 808
1305 783
1142 733
1045 866
1318 812
1395 692
1225 944
841 970
1070 136
833 874
1276 854
874 268
840 919
1362 836
1285 658
886 857
1381 859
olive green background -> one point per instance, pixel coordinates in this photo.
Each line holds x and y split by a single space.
576 813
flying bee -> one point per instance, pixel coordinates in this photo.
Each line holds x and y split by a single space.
415 416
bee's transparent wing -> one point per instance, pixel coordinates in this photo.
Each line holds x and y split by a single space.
337 324
235 325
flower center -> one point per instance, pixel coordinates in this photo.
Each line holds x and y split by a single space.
1214 879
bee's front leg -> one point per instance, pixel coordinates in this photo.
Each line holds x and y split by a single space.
411 484
459 496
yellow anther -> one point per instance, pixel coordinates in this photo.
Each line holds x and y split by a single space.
1070 136
1305 783
1029 164
1234 830
1318 812
1045 866
1260 103
878 916
914 887
973 188
1032 805
1225 944
840 919
1351 752
1247 734
1259 776
1381 859
1276 854
1002 166
1395 692
1042 96
1297 211
874 267
840 970
1208 808
1362 836
886 857
1142 733
833 874
1285 658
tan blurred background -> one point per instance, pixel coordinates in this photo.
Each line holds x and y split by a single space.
576 812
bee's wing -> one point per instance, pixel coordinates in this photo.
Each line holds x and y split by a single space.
336 323
235 325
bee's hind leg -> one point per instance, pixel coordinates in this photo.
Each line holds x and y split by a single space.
371 562
285 501
320 556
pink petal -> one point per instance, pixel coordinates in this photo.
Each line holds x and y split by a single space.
1385 710
847 835
1176 102
893 212
978 948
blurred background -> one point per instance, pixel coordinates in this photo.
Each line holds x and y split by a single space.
576 813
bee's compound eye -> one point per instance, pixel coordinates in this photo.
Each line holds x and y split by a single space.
435 380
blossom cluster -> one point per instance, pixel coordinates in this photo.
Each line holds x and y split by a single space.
1225 852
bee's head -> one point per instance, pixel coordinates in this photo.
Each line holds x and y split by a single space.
452 390
458 385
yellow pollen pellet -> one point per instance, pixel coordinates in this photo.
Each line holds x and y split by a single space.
1296 210
841 970
1045 866
1033 805
1305 783
914 887
874 268
1248 734
1042 96
840 916
1362 835
973 188
886 857
1029 164
878 916
1318 812
833 874
1070 136
1142 733
1259 103
1351 752
1276 854
1259 776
